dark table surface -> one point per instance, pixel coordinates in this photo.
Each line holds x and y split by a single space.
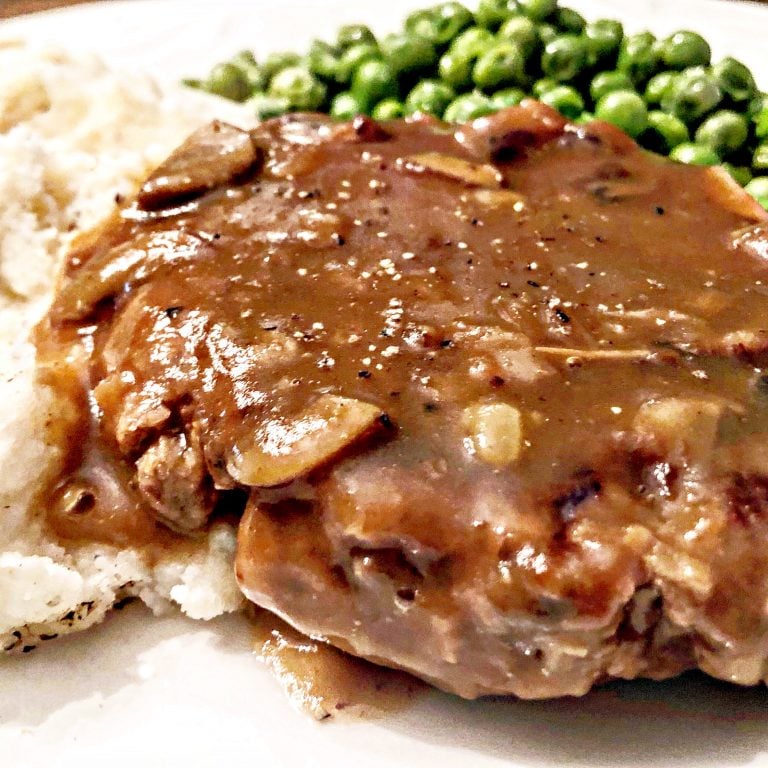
10 8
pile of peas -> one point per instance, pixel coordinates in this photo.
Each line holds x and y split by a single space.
459 65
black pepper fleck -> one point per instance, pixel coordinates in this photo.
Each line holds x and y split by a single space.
173 312
562 316
364 374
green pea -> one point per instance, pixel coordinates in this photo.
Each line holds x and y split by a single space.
625 109
323 60
388 109
761 123
457 63
540 87
473 42
603 38
468 107
639 57
279 61
229 81
664 132
521 31
266 107
345 106
417 21
725 131
569 20
373 81
492 13
734 79
694 154
354 34
193 82
605 82
352 58
452 18
440 24
504 64
685 49
507 97
760 157
658 86
758 188
456 69
564 57
692 95
584 118
538 10
547 33
299 87
254 75
245 57
566 100
430 96
739 173
405 53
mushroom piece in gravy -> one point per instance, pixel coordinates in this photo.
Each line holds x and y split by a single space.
489 401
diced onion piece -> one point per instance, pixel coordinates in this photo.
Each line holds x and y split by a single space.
472 174
753 240
672 423
669 564
496 432
284 450
500 198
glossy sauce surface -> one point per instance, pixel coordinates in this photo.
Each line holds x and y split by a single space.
472 320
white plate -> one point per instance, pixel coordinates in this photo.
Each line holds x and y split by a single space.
141 691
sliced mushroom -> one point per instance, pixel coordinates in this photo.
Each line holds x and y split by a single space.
509 133
720 186
210 157
109 271
283 450
452 167
495 431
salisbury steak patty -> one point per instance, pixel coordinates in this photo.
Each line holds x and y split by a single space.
490 400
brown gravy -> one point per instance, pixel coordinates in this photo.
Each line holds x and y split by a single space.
483 396
325 682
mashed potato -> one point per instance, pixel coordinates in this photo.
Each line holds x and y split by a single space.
73 136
